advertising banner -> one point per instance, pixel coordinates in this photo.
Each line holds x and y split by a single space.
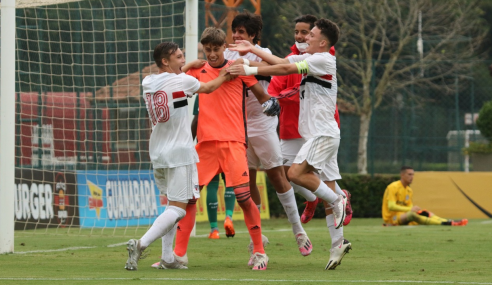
117 198
202 215
45 199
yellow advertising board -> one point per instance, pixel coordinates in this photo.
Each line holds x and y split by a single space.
454 194
201 204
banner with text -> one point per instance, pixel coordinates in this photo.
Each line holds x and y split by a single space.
118 198
44 199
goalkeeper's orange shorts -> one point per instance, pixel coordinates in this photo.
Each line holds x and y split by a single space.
228 157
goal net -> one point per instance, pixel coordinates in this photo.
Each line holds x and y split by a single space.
82 130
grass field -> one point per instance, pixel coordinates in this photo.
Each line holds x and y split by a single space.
380 255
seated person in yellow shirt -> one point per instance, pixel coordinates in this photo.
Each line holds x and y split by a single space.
398 208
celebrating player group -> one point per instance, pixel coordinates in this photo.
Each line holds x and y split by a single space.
245 92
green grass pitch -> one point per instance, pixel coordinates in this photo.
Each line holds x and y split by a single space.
380 255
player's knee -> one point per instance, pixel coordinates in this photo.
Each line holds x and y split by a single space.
293 174
411 216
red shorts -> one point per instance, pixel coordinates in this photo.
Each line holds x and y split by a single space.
222 156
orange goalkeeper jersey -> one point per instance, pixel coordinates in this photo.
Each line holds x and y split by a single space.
222 113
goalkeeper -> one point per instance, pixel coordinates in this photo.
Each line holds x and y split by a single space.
398 208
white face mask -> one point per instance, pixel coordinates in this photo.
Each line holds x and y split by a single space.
301 46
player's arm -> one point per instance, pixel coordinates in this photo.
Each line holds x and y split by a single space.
279 69
212 85
392 206
245 47
197 63
241 61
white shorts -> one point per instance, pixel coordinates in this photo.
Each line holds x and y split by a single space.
179 184
290 149
321 153
264 151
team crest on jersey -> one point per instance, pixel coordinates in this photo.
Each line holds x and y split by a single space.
407 197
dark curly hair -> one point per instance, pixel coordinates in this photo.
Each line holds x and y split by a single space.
308 19
164 50
328 29
251 22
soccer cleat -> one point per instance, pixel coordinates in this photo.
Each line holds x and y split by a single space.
260 261
308 213
214 235
304 244
348 208
181 259
229 227
173 265
134 253
337 253
264 240
339 211
462 222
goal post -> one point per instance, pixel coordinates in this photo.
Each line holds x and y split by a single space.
78 125
7 126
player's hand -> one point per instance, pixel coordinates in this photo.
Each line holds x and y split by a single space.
236 69
223 72
241 46
415 209
238 61
197 63
230 77
271 107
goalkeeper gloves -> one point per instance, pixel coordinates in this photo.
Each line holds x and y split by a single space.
271 107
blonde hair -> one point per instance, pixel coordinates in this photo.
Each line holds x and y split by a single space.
213 36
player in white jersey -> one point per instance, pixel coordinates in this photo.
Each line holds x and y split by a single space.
263 142
171 148
317 125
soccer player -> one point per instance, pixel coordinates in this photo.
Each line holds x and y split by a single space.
171 148
286 89
263 143
212 188
222 142
398 208
317 125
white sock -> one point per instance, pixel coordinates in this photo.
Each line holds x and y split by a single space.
288 201
338 190
167 245
162 225
336 234
325 193
308 195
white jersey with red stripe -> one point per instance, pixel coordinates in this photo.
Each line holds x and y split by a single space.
258 123
165 96
318 94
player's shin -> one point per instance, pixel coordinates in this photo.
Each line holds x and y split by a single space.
185 226
162 225
251 217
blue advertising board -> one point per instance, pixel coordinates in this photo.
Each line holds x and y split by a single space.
118 198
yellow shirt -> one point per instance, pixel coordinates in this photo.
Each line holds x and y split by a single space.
400 195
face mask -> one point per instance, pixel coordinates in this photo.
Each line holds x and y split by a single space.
301 46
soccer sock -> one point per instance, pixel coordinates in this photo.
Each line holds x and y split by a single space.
212 202
336 234
308 195
185 226
325 193
251 217
422 220
338 190
167 245
230 201
162 225
288 201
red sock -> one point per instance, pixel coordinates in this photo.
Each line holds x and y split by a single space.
251 216
185 226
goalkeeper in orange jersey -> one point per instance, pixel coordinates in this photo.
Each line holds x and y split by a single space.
398 207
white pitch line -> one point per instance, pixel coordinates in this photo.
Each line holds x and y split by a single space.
245 280
486 222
